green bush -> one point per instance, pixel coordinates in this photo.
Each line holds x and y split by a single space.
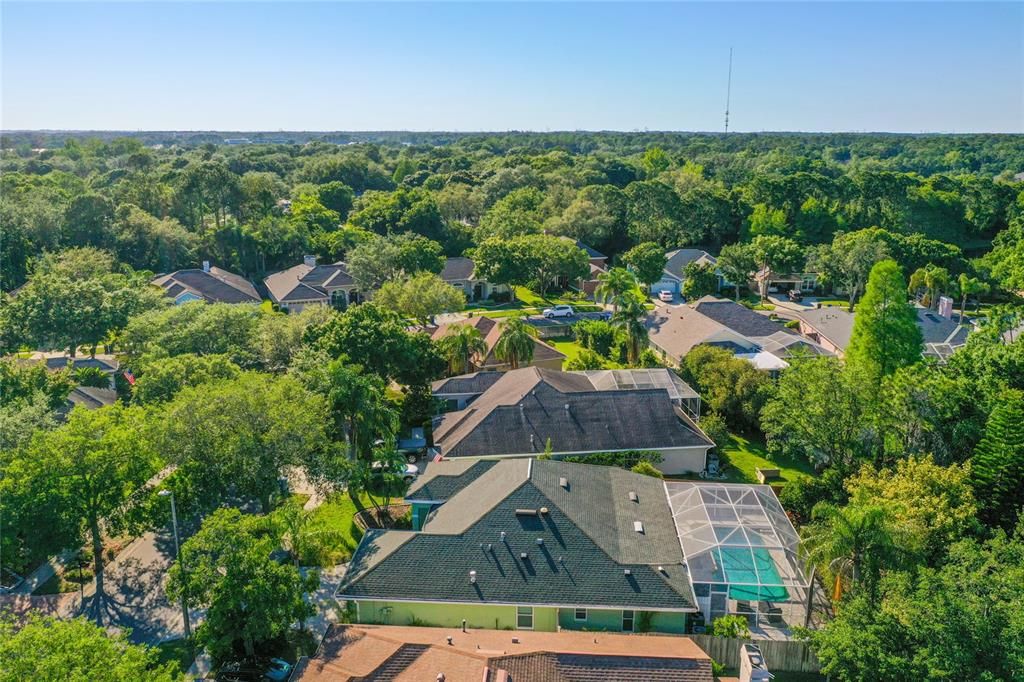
626 459
647 469
730 626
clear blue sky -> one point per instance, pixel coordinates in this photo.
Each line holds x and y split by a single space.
266 66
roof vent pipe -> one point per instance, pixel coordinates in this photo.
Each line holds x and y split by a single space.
449 638
503 536
463 624
472 579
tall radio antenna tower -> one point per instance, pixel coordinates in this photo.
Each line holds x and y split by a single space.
728 92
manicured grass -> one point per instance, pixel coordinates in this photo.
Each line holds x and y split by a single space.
177 651
745 456
566 345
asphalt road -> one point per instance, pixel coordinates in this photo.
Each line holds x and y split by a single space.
135 596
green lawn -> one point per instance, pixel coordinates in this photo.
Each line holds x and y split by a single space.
178 651
566 345
745 456
528 302
335 518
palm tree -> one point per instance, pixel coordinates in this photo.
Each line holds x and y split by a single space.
459 345
515 345
630 318
854 540
934 280
613 285
968 286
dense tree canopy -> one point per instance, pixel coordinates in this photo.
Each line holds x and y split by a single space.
51 650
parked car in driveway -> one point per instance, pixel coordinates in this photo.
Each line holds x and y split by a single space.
409 475
795 295
558 311
255 669
666 296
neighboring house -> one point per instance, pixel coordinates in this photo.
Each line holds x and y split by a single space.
359 653
460 272
597 259
88 397
675 266
547 545
459 391
211 284
598 265
311 284
531 545
779 282
674 331
578 413
543 355
832 328
58 360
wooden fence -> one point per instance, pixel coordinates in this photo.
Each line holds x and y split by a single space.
779 655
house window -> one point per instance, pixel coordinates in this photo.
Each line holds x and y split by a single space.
524 617
627 621
581 615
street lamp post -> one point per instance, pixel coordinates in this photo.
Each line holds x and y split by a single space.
177 555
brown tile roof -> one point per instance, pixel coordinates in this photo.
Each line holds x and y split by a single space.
490 329
358 653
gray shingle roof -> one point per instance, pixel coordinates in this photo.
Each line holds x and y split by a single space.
443 480
304 282
571 667
526 407
458 269
738 318
678 260
836 324
215 286
475 383
587 541
833 323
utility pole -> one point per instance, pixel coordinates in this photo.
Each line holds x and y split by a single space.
728 92
177 556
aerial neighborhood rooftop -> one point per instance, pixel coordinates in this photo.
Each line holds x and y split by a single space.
572 407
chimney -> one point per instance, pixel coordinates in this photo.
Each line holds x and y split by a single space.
206 266
309 261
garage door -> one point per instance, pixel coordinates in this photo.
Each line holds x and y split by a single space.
665 285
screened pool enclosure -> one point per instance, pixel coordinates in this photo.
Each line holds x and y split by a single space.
741 550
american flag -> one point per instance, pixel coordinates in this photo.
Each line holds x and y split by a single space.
437 457
129 376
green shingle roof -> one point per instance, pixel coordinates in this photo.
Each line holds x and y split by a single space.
588 542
